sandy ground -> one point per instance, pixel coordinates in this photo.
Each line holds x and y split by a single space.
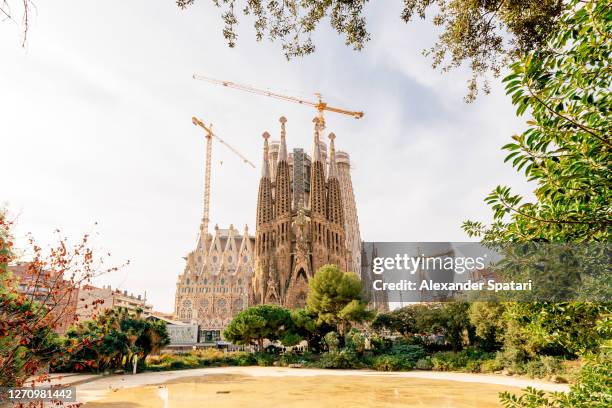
95 388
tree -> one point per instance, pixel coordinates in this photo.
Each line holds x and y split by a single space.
112 341
258 323
337 299
38 303
403 321
489 323
481 34
565 151
305 326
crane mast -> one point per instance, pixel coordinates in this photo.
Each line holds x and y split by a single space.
209 135
319 105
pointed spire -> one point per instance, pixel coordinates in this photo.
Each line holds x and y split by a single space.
265 169
333 172
316 148
282 154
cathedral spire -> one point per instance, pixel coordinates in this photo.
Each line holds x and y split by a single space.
265 205
334 195
282 183
282 154
316 148
333 171
317 175
265 168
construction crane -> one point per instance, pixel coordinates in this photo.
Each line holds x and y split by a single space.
320 106
209 136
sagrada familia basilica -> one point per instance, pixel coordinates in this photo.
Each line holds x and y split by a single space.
306 217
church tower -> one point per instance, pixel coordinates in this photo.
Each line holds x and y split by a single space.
336 233
264 236
300 220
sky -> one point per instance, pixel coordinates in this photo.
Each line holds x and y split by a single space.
95 127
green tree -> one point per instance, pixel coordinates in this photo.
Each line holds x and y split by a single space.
305 326
489 323
258 323
112 341
402 320
481 34
565 150
337 299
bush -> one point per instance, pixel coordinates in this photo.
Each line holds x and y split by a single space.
448 361
332 341
243 359
339 359
490 366
200 358
592 389
412 353
294 358
424 364
468 360
544 366
264 359
473 366
391 362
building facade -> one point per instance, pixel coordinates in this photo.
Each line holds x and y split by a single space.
93 301
300 223
50 289
214 285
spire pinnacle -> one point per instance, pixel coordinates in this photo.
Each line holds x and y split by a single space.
316 148
282 155
265 169
332 157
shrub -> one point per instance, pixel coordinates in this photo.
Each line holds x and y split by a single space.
243 359
339 359
356 342
448 361
490 366
412 353
543 366
389 362
424 364
332 341
293 358
264 359
473 366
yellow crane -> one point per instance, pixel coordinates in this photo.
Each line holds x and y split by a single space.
320 106
209 136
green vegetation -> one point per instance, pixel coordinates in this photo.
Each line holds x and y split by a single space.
113 341
565 151
480 34
258 323
200 359
336 299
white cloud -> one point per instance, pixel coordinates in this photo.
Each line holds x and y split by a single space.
96 117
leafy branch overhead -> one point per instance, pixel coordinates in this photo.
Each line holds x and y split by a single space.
565 151
481 34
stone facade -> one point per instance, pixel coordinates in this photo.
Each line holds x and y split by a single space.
349 207
214 285
300 222
93 301
378 299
